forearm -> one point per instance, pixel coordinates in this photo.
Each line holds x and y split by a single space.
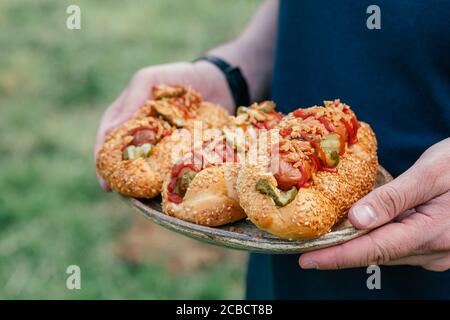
253 50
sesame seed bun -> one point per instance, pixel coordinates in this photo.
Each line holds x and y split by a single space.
211 198
140 177
143 177
317 208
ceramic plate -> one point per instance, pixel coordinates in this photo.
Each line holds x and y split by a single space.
244 235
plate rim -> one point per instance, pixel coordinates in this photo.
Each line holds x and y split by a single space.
242 241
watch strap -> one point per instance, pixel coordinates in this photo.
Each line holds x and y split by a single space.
235 79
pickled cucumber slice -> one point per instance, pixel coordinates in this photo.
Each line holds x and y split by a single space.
281 198
184 181
267 106
241 110
129 153
133 152
331 144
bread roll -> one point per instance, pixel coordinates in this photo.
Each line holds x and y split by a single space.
210 197
136 156
330 189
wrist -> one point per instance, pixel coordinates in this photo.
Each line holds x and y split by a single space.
217 88
234 78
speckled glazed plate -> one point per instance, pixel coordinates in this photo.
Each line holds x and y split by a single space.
244 235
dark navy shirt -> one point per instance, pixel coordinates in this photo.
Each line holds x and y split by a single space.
397 79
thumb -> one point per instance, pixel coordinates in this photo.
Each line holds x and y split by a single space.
388 201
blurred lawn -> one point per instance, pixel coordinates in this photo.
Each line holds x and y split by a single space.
54 85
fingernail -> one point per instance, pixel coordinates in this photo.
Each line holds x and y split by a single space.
309 265
364 215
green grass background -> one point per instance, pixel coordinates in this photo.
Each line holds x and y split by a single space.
54 85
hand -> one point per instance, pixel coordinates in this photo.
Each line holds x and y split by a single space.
201 76
414 214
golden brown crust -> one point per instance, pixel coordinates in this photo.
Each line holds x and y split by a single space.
211 198
355 173
316 208
143 177
209 114
212 115
140 178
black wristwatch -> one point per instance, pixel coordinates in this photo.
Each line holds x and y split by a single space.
236 81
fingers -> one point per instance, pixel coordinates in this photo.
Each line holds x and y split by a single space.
105 127
125 106
138 91
405 214
437 262
129 101
108 119
388 243
388 201
103 184
426 179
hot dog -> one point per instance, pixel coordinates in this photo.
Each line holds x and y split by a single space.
202 187
322 161
136 156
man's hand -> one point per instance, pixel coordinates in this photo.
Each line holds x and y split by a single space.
201 76
414 214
